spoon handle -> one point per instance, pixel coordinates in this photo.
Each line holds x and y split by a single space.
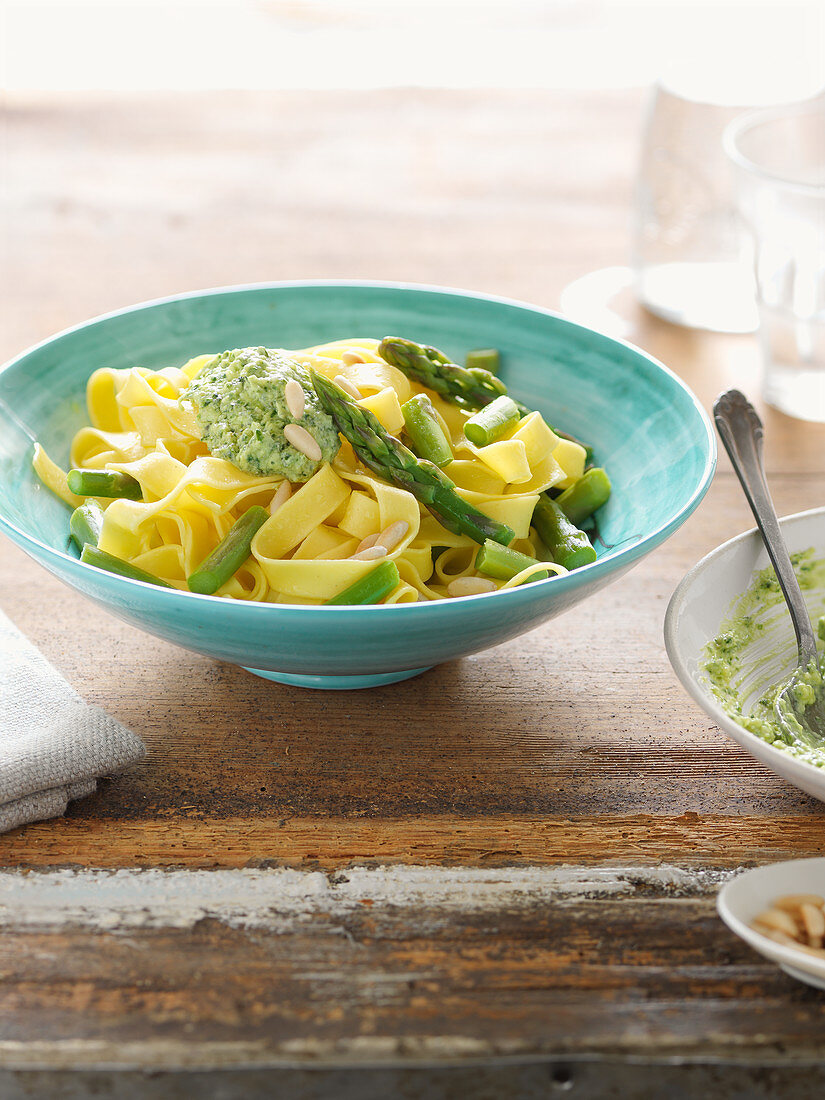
740 429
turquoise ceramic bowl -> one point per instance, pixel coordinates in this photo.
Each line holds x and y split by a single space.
647 427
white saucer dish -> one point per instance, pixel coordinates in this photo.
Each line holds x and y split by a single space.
742 899
704 600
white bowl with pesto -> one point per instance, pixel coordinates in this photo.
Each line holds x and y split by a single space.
725 590
744 897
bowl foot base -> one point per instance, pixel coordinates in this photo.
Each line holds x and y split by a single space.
338 683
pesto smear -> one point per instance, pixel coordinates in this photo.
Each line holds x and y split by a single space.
239 401
742 653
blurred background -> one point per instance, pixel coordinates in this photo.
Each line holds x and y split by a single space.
154 147
250 44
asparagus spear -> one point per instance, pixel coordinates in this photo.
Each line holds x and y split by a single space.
394 462
582 499
91 555
86 523
372 587
230 553
103 483
503 563
492 421
471 389
426 434
568 545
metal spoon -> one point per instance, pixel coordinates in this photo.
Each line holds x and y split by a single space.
800 706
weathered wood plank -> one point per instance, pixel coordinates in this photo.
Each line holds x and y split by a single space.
403 964
334 843
502 1079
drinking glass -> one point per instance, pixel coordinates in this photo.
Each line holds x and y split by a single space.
690 260
779 161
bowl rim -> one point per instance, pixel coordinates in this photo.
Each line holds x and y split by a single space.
767 752
777 952
601 567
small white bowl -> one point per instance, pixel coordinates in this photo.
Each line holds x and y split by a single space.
742 899
704 600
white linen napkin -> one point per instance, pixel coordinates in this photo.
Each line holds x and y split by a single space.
53 745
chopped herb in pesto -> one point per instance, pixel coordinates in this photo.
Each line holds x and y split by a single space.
238 398
735 655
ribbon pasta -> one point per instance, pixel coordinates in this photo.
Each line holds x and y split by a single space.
304 552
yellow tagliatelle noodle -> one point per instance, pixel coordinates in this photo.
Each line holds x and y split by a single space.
306 551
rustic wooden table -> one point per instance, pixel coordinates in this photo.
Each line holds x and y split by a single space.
497 878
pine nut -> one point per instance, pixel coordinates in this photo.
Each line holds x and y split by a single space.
282 495
787 941
778 937
366 543
469 586
372 553
302 441
814 920
351 357
810 949
796 920
344 383
795 901
778 920
392 535
295 398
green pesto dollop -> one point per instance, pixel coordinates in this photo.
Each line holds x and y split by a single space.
240 404
742 650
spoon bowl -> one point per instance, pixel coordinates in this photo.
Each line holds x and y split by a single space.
800 706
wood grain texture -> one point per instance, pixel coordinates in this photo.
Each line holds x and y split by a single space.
645 976
573 745
398 974
194 841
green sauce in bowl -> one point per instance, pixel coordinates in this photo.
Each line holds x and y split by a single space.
737 660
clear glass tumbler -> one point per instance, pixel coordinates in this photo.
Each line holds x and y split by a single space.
779 159
690 261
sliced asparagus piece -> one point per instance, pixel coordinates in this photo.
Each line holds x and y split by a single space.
230 553
103 483
568 545
503 563
491 422
91 555
86 524
590 492
372 587
425 433
394 462
483 359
